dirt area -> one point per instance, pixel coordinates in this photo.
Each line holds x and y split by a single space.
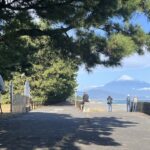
6 108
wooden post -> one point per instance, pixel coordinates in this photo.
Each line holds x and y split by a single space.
75 98
11 95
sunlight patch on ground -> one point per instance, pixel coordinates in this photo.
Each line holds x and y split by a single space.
55 110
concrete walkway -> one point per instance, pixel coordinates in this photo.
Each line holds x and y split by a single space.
64 127
103 107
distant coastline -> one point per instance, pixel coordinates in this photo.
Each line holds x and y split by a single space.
117 101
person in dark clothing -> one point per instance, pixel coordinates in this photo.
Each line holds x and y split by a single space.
128 103
85 99
109 103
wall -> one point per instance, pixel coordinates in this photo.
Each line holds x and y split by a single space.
144 107
20 103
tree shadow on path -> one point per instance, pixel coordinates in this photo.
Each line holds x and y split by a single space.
58 131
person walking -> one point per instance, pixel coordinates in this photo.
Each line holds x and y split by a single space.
135 101
109 102
85 99
2 90
128 103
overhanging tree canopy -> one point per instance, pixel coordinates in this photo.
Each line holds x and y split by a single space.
52 79
73 26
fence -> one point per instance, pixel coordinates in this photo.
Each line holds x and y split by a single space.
36 104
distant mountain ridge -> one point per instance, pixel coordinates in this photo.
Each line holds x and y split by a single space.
120 88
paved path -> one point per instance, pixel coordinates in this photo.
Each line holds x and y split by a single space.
66 128
102 107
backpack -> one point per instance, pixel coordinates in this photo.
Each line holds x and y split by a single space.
109 100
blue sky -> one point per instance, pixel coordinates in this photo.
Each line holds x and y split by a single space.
138 67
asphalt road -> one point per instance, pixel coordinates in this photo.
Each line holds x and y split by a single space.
64 127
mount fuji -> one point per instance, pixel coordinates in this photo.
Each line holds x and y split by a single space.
120 88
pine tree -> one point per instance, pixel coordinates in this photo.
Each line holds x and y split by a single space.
85 30
52 79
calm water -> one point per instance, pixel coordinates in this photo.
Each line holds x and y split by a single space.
122 101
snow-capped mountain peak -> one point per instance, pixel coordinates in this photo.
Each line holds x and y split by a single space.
120 88
125 78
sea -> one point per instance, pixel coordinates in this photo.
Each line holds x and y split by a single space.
121 101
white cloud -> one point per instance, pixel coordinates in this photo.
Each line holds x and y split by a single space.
144 89
85 88
137 61
94 86
129 63
135 65
125 77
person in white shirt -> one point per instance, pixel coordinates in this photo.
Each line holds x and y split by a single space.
135 101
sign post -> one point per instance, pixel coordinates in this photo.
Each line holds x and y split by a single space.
11 95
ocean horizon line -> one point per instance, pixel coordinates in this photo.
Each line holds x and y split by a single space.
116 101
